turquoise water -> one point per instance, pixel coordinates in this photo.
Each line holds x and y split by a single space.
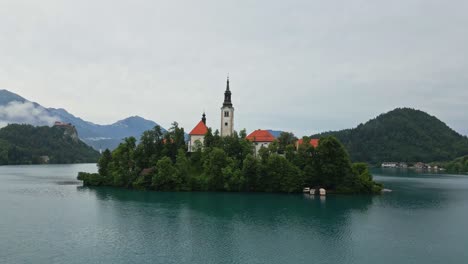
46 217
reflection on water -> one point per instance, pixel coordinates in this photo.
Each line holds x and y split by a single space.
234 224
415 190
49 219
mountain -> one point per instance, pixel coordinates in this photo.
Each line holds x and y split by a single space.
403 134
16 109
27 144
7 97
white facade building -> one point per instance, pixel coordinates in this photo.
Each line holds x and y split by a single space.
197 134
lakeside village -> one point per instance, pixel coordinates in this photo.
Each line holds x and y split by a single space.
419 166
227 160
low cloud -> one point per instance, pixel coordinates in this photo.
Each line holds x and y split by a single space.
25 113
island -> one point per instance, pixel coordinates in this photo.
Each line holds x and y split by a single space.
229 161
162 162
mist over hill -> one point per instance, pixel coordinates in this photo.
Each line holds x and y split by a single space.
15 109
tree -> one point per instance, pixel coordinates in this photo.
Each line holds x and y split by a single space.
213 168
183 169
209 139
123 163
243 134
285 139
233 179
273 147
166 177
250 170
283 176
333 164
103 163
150 148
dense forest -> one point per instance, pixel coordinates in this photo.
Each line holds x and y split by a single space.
161 162
403 134
457 166
26 144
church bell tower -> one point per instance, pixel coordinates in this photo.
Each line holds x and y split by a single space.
227 113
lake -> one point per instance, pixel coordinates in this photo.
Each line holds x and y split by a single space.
47 217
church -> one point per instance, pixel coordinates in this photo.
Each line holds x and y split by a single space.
260 138
197 135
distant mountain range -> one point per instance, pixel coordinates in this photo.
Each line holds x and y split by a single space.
403 134
16 109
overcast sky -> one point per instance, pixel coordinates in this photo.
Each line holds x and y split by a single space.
302 66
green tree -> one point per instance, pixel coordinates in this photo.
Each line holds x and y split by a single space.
250 170
333 164
213 168
283 176
285 139
103 164
183 170
166 178
123 163
233 179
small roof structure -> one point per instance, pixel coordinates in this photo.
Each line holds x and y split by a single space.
313 142
199 130
261 136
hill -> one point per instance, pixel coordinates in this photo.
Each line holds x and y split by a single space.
457 166
402 134
15 109
26 144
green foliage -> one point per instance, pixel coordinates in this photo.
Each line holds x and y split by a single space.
103 162
214 164
250 170
285 139
332 163
229 164
166 178
457 166
402 135
91 179
26 144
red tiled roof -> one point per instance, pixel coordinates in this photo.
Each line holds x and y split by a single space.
314 142
199 129
261 136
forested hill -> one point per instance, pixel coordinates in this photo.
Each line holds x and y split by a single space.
26 144
402 134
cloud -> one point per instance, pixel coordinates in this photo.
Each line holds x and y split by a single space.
25 113
304 66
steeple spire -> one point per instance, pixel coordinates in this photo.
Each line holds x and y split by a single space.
227 113
227 94
203 118
227 83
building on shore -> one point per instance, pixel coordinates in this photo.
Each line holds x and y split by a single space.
197 135
260 138
394 165
313 142
227 122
